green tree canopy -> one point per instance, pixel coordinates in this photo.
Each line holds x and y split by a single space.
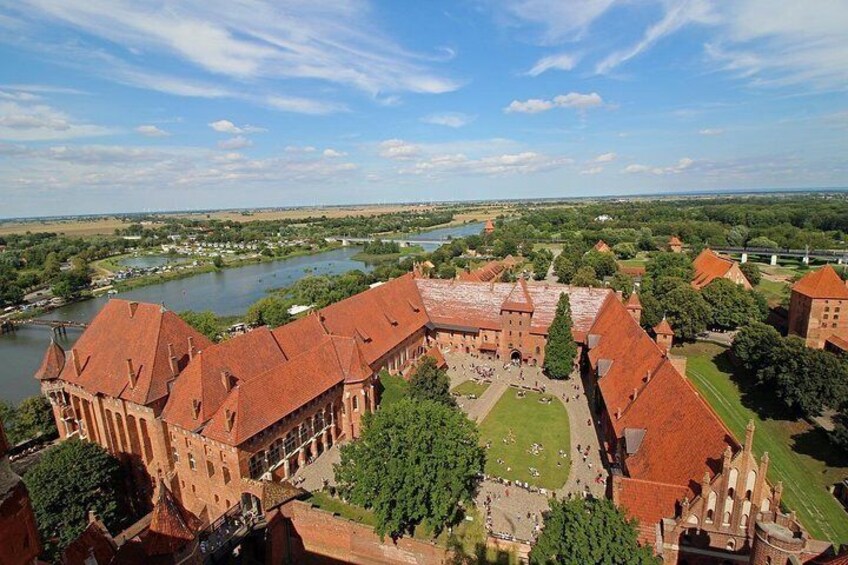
414 463
580 531
35 416
429 382
206 322
67 482
668 264
585 276
560 349
564 268
624 250
686 310
271 311
764 242
751 272
753 344
731 305
603 263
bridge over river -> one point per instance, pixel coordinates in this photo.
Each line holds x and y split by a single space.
839 256
58 326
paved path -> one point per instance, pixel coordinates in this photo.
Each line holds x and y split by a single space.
483 405
311 477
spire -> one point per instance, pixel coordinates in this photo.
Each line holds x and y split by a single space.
663 328
52 363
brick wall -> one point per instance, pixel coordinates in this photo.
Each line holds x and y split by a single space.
318 536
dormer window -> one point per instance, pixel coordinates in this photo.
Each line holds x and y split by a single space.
230 420
195 408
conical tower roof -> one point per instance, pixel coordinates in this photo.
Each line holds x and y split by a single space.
52 363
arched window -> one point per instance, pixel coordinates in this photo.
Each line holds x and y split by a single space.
726 520
291 442
731 544
275 451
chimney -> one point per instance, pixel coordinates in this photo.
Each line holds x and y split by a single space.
195 408
131 373
133 306
190 348
230 418
76 361
635 393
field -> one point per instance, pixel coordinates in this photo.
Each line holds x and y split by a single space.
470 387
513 426
774 291
800 453
70 227
370 258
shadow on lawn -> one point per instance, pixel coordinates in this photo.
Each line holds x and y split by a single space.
754 397
816 443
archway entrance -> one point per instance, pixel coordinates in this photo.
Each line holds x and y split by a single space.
515 357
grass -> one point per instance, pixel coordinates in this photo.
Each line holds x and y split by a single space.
354 513
470 387
528 421
394 388
774 291
800 454
371 258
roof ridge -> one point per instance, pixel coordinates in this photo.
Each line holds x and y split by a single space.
160 317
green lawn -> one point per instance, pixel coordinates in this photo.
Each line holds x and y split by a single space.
527 421
470 387
800 454
774 291
355 513
394 388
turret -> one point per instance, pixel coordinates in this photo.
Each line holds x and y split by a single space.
664 335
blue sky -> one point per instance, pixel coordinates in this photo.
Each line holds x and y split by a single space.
110 106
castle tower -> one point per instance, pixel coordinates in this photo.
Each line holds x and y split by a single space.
489 229
664 335
634 307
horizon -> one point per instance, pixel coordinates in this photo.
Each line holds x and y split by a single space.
114 106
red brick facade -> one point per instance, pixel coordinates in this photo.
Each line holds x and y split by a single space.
19 541
818 308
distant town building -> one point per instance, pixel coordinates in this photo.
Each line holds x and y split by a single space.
675 245
602 247
818 309
491 271
489 228
709 266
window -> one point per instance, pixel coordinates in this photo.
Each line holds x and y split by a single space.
275 452
225 472
304 432
175 454
355 404
291 442
191 462
193 489
257 465
210 468
217 499
319 421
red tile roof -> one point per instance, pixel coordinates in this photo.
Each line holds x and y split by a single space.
822 283
838 342
519 299
260 402
673 240
602 246
244 357
458 303
632 270
171 526
52 363
379 318
633 302
708 267
300 334
493 270
647 502
137 331
94 541
663 328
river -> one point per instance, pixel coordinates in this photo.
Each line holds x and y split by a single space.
228 293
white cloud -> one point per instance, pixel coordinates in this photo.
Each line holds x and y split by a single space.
398 149
525 162
558 19
299 149
226 126
592 171
677 15
679 167
42 89
560 62
303 105
237 142
332 153
333 42
449 119
711 131
22 120
149 130
605 158
573 100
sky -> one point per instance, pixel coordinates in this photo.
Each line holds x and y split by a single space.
141 105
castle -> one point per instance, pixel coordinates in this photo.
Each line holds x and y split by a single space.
817 310
221 425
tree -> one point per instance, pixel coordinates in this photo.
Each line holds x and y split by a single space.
751 272
205 322
667 264
429 382
585 276
623 283
447 271
271 311
687 311
763 242
603 263
34 416
564 268
579 531
737 236
624 250
218 262
68 481
753 344
731 305
560 349
415 462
